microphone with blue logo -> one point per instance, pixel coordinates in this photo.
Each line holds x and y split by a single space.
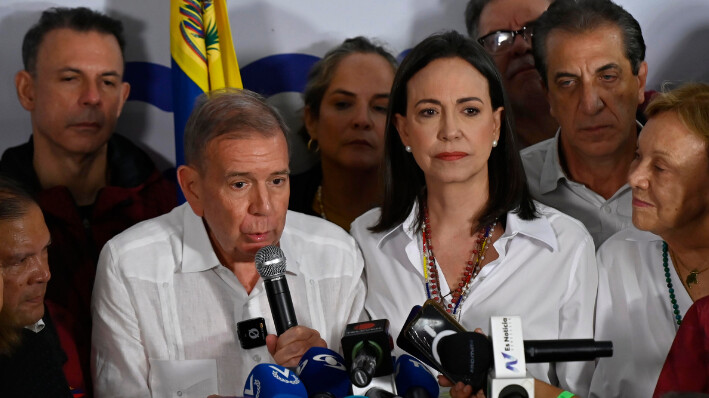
324 374
413 379
268 380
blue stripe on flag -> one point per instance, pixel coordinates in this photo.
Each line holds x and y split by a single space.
149 83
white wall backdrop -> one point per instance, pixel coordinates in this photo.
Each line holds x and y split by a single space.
676 33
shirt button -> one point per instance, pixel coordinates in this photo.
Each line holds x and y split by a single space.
606 209
312 282
179 393
165 284
257 358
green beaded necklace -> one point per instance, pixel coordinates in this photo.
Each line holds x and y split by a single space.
673 299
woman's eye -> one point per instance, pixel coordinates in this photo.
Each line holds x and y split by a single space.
342 105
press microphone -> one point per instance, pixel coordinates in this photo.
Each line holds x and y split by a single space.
421 335
377 392
413 379
367 348
271 265
268 381
460 346
323 372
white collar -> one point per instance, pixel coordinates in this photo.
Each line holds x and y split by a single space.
539 229
36 327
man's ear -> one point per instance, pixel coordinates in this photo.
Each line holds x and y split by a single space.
125 91
24 84
191 184
642 80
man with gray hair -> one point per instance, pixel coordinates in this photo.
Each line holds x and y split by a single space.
504 28
170 292
590 54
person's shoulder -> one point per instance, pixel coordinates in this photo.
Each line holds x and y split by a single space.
361 227
558 218
628 240
538 151
153 231
310 229
319 247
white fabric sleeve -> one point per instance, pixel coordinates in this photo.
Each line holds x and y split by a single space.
119 366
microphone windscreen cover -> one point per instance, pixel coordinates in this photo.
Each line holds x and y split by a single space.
268 380
323 371
467 357
412 374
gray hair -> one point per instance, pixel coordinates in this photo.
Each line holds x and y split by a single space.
582 16
228 111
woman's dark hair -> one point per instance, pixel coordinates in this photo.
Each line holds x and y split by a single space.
320 75
404 182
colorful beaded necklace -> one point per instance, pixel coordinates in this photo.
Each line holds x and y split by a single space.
472 268
670 288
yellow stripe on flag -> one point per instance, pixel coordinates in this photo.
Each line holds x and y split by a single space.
201 43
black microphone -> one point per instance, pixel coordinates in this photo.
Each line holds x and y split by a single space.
462 344
271 265
542 351
367 348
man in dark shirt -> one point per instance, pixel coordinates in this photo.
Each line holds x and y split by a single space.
31 357
90 183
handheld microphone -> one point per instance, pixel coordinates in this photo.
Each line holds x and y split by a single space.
413 380
323 371
367 347
271 265
268 381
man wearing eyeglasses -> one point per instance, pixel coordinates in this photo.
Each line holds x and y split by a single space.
503 28
590 54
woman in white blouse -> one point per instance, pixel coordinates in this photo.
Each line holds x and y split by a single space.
650 275
457 222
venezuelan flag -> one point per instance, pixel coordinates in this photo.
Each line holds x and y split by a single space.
203 57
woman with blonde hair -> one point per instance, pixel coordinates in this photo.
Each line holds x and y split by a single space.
651 274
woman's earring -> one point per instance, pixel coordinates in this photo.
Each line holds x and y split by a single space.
494 143
407 148
313 146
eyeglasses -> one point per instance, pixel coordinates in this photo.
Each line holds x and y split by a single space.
502 40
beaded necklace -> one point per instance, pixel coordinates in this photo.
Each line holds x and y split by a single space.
668 279
472 269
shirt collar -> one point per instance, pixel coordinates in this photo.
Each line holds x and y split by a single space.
539 229
407 226
197 251
552 172
36 327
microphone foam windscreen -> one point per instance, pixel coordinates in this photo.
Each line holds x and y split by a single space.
273 381
270 262
412 373
323 370
467 356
